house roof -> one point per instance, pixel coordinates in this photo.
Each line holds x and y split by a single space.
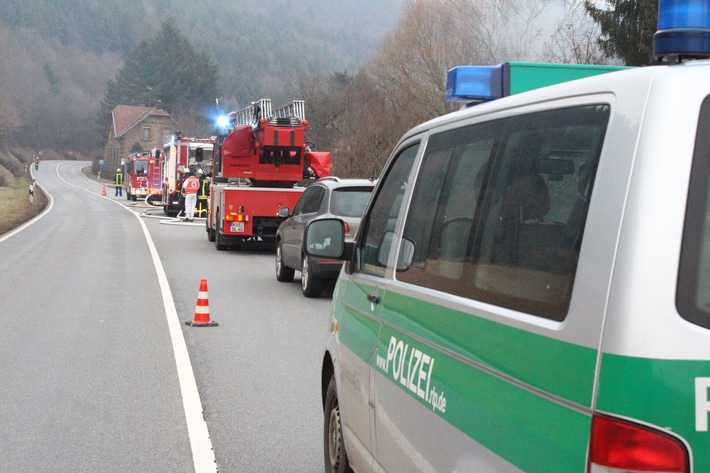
125 117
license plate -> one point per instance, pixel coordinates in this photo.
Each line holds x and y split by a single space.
237 227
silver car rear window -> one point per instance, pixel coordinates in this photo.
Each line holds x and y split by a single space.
350 201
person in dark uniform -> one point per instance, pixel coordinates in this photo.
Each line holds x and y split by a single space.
118 180
203 194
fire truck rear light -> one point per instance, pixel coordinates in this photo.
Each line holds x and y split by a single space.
618 446
228 218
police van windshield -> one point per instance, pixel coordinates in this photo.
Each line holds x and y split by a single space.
693 293
350 202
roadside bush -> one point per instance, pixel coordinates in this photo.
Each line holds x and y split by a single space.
6 177
12 164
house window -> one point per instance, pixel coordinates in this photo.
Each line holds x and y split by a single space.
146 133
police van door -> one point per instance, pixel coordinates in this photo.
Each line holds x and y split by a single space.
359 321
486 357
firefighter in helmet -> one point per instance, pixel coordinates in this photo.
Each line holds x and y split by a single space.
118 181
203 194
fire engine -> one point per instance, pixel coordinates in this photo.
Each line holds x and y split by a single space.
258 163
142 175
180 155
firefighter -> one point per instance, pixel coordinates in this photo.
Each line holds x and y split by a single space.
204 193
190 187
118 180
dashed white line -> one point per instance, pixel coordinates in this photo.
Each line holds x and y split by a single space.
203 458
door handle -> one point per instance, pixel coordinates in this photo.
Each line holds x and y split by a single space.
373 298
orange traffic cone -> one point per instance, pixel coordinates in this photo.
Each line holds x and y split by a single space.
103 190
202 309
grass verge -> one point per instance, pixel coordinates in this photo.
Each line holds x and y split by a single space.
15 206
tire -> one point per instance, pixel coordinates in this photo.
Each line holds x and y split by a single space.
335 456
210 232
128 195
219 239
311 285
283 272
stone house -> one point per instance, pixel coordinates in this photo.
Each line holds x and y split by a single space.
135 129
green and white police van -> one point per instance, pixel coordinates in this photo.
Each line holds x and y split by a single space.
530 286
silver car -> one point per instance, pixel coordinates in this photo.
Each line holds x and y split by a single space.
327 197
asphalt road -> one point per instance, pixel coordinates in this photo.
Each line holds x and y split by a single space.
89 374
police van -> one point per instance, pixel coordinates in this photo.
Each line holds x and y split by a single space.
530 286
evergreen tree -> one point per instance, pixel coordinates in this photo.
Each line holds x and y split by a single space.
164 72
627 28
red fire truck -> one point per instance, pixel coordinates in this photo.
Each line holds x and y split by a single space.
257 166
143 176
180 155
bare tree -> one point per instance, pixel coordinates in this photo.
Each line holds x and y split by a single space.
575 39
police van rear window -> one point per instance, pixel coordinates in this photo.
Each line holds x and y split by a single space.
693 292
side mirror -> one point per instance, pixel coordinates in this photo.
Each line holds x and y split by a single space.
199 155
283 212
326 239
157 154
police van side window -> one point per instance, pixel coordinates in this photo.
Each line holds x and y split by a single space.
380 223
505 224
693 291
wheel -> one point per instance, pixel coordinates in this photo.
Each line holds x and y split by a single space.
219 239
311 285
336 458
128 195
283 272
210 232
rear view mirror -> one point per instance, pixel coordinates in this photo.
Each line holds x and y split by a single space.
283 212
199 155
406 252
406 255
326 238
555 166
383 252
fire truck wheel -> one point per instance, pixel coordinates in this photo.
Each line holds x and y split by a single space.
311 284
219 238
283 272
210 234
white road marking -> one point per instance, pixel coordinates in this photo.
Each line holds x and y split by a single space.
203 458
34 219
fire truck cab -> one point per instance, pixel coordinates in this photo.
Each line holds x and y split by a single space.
143 175
180 155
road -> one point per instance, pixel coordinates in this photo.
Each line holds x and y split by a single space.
89 369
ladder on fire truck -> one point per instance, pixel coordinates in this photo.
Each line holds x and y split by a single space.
290 114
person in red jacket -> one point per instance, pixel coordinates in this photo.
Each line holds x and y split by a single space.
190 186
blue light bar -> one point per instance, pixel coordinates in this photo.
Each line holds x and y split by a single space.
222 122
683 28
475 83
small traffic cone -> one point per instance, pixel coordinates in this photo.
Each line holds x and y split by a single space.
202 309
103 190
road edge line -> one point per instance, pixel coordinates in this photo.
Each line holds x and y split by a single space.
36 218
203 458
